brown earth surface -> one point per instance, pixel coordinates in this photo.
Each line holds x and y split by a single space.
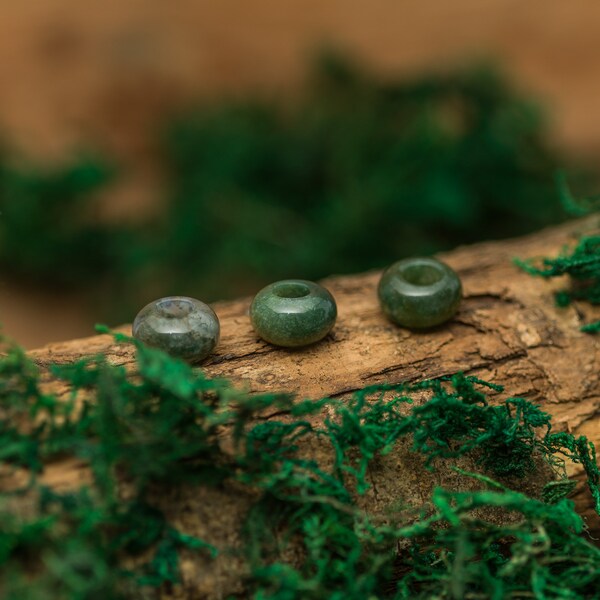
77 73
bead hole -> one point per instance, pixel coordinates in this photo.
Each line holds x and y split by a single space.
175 309
291 290
422 274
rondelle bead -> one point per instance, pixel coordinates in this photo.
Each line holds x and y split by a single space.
293 312
183 327
419 292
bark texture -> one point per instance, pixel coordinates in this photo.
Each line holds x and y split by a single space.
508 330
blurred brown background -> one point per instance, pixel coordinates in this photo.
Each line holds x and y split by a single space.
75 73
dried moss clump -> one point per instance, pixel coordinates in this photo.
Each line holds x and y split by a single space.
163 428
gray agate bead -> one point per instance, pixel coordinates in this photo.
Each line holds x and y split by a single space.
293 312
419 292
183 327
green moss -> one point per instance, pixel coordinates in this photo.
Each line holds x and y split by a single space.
144 429
581 264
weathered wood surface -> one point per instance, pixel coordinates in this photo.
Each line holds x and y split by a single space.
508 330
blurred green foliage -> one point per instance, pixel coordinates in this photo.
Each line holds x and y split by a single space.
47 230
354 174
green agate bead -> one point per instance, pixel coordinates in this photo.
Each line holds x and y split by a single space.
293 313
183 327
419 292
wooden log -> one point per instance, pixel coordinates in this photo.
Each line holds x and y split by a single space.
508 331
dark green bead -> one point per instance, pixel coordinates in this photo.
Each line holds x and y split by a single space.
293 313
183 327
419 292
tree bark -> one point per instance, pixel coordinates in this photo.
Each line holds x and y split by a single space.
508 331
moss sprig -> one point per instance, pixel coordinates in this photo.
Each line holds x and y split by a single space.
581 264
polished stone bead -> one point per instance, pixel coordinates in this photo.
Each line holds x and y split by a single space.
293 312
419 292
183 327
